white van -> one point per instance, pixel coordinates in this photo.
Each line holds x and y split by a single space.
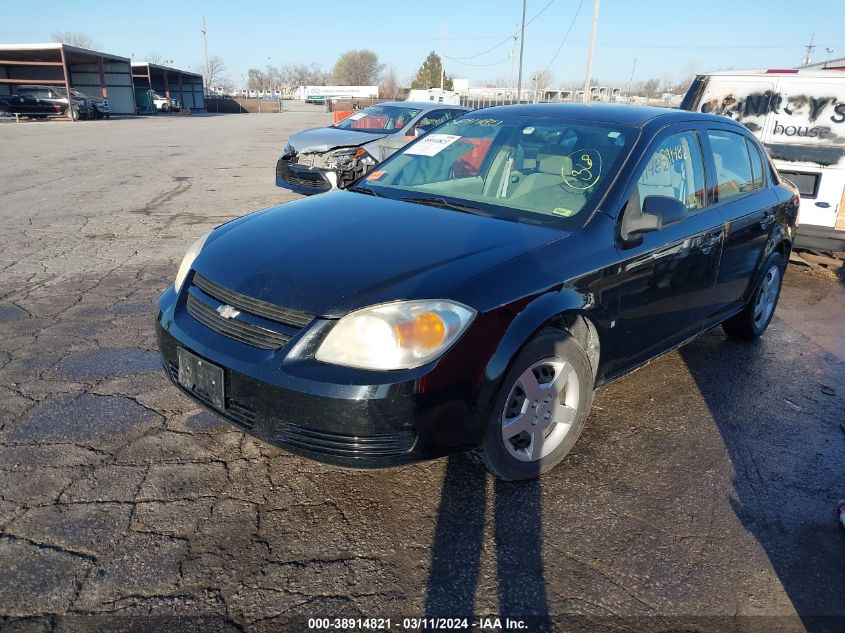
799 115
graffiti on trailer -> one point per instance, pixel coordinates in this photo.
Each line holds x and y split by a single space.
816 112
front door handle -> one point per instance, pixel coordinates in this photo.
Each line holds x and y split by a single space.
709 241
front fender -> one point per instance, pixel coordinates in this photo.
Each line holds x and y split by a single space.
536 312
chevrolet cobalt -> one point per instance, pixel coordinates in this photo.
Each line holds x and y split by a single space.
471 292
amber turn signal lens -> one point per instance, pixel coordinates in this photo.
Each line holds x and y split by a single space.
426 331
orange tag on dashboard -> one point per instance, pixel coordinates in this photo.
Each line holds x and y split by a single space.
375 175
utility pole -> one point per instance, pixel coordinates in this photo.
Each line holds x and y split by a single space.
590 53
810 48
444 40
631 80
521 49
205 47
513 55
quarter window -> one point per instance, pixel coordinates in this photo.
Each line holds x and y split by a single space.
675 170
756 165
734 176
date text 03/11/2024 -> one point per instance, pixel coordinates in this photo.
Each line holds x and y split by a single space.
417 624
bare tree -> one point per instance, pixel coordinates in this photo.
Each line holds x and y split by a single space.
542 80
256 79
287 78
357 68
82 40
389 87
155 58
650 88
226 85
214 73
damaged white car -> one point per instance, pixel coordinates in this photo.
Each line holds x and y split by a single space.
332 157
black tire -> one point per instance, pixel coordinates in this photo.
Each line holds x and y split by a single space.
493 454
756 316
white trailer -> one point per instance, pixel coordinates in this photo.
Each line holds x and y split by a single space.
799 115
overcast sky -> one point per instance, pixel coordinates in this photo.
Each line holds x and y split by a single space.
668 39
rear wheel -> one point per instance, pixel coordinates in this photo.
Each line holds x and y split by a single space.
756 316
73 113
540 409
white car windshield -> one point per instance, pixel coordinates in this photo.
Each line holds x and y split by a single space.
539 170
378 119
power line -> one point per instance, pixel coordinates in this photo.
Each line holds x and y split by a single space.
673 47
568 31
502 61
507 39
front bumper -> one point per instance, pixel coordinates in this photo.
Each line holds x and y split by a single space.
339 419
300 178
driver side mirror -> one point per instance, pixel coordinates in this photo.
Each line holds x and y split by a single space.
657 212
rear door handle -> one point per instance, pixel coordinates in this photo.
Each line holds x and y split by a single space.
768 219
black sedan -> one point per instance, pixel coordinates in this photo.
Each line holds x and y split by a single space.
472 292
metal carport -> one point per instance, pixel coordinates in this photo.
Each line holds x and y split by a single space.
171 83
56 64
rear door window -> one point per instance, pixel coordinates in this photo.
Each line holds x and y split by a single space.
734 176
434 118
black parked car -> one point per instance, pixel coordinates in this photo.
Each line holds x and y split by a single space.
96 107
421 313
55 97
28 106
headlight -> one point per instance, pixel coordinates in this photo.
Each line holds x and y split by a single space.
188 261
346 155
397 335
288 150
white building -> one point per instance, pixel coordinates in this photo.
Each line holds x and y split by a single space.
323 92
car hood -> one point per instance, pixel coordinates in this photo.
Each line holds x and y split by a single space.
322 139
335 252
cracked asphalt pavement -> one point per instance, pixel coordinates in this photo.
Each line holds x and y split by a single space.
701 495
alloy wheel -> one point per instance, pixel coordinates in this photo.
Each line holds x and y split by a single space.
540 409
767 296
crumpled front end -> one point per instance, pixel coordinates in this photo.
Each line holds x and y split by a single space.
317 169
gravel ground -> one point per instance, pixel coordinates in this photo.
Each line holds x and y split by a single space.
701 496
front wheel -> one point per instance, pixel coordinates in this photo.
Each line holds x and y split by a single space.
756 316
540 408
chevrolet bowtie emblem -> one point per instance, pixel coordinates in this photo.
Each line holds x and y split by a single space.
227 311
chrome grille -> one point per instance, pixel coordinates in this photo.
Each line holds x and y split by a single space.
234 328
286 316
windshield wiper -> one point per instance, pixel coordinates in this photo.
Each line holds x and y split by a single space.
365 190
446 204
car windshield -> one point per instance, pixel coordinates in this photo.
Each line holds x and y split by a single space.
529 169
378 119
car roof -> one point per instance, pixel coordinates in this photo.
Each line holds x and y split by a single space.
622 114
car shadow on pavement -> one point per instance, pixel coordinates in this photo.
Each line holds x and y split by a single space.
780 423
459 542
